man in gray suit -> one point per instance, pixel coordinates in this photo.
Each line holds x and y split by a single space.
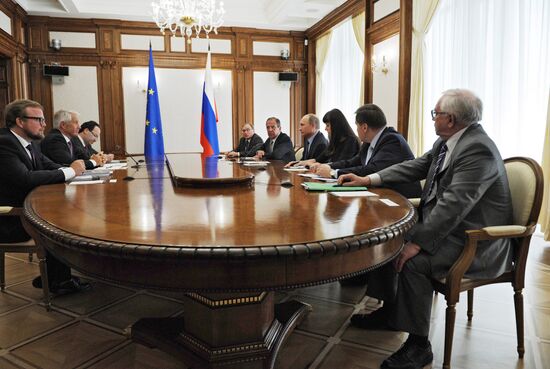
466 188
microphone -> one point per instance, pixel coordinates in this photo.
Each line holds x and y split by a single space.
120 148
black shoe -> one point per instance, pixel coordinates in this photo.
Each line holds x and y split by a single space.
409 356
70 286
37 282
377 320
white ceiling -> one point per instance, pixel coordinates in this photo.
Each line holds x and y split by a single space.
297 15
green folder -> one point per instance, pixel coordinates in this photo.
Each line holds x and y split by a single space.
320 186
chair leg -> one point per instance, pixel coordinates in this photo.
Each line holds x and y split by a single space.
2 272
518 303
470 312
44 276
449 332
30 257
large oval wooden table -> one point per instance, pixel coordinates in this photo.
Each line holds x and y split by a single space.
228 245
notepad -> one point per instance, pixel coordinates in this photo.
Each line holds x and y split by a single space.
315 186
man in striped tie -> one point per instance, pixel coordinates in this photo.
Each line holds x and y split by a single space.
466 188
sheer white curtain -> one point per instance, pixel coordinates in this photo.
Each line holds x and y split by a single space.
500 49
341 74
358 24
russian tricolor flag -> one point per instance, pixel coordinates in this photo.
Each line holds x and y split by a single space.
209 119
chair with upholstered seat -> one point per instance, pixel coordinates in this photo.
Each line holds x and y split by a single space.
22 247
526 186
299 153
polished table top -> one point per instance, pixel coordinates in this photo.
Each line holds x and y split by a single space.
152 219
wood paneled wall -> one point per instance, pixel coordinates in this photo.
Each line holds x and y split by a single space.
13 48
29 48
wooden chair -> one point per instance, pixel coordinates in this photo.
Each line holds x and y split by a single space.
299 153
526 186
23 247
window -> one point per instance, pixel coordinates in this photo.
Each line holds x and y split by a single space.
340 83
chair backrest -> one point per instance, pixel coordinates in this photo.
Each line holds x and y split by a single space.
299 153
525 179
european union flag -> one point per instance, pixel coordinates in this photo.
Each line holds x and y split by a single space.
154 143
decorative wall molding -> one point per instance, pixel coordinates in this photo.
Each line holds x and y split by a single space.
110 59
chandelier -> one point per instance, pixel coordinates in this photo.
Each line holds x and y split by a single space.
188 16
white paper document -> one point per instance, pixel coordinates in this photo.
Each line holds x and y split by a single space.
308 175
328 180
389 202
115 166
97 181
353 194
256 164
296 169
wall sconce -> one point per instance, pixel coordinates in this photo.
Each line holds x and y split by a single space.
55 44
285 54
379 68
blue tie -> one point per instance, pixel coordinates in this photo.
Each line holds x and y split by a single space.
437 168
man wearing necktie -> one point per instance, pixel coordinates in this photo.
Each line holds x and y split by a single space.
88 134
24 168
57 145
382 147
466 188
315 142
249 143
278 145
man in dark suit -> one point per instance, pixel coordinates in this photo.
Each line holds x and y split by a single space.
57 144
382 147
466 188
278 145
89 133
315 142
249 143
24 167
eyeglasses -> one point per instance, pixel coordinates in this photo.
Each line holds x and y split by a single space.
436 113
42 120
246 129
95 135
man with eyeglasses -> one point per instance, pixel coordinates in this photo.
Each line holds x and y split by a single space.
57 144
249 143
88 134
24 167
466 188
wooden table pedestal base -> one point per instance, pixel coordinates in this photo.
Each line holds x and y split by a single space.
229 331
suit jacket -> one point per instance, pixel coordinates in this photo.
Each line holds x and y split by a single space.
317 147
472 192
390 149
87 149
282 150
249 150
19 178
346 149
55 147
